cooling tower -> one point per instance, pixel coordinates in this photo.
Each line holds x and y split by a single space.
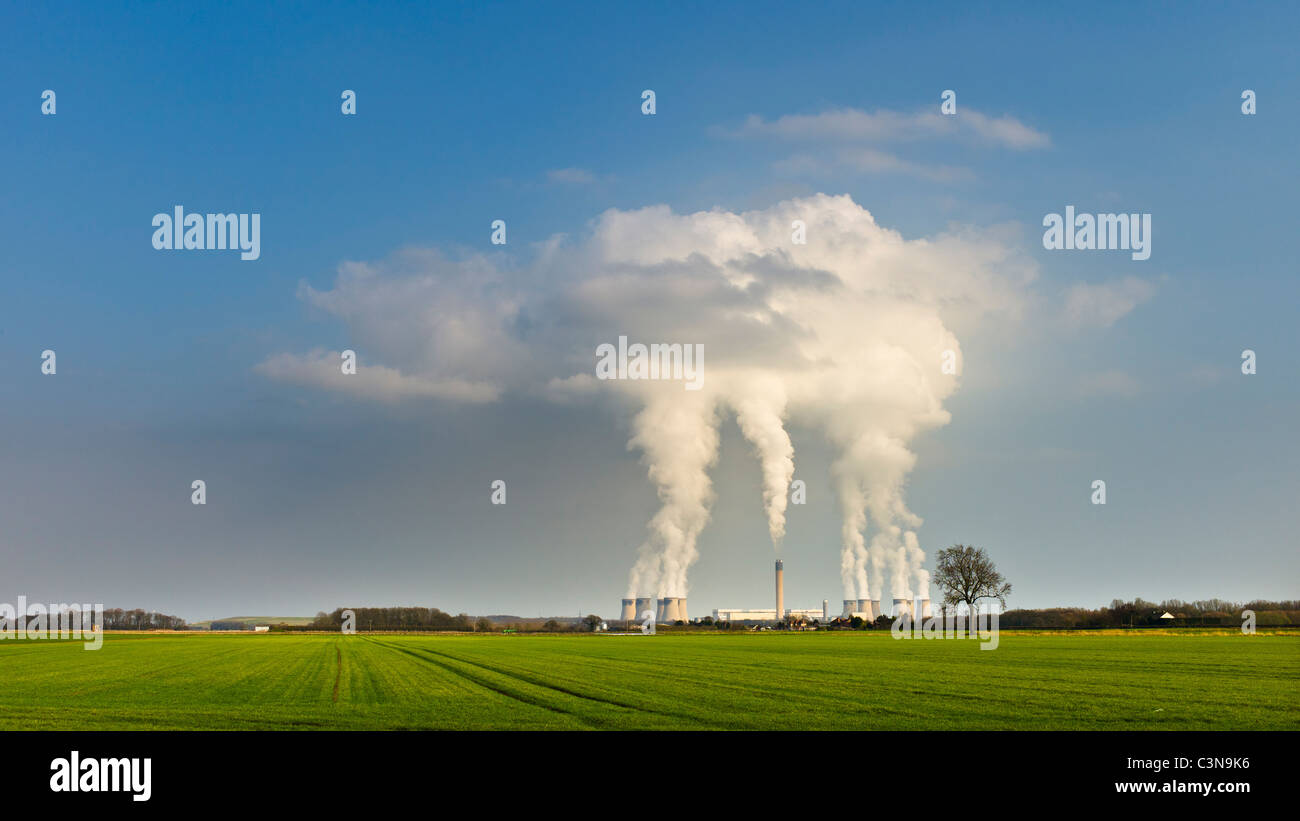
875 607
643 604
849 606
926 612
681 610
661 609
780 590
901 608
628 612
864 606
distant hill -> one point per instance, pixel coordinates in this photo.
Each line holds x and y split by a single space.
250 620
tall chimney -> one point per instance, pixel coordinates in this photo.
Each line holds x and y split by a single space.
826 610
780 590
629 610
644 603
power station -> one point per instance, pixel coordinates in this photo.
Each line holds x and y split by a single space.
670 609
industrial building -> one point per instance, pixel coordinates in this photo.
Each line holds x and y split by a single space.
779 613
671 609
740 614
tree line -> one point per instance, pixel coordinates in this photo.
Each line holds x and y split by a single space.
116 618
393 618
1142 613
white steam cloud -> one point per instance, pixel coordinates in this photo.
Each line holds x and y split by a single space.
760 412
846 334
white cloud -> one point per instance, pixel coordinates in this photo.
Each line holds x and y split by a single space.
321 369
731 280
869 161
1103 304
445 328
855 125
1005 131
571 176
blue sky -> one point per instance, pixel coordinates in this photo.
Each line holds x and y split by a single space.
464 112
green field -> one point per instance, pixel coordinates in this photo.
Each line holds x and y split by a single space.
703 681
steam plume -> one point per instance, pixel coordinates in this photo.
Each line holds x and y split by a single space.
844 335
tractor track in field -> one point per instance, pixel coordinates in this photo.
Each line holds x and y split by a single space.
424 652
481 682
338 672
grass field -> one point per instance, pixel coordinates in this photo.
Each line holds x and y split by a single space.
751 681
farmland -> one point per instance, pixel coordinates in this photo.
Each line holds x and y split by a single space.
1187 680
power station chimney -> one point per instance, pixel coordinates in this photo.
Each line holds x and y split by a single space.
780 590
826 610
629 610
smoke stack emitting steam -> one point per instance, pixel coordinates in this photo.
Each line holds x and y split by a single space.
671 609
851 334
780 590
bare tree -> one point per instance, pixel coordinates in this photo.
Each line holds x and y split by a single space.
966 574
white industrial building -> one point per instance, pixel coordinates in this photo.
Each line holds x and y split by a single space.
778 613
737 614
